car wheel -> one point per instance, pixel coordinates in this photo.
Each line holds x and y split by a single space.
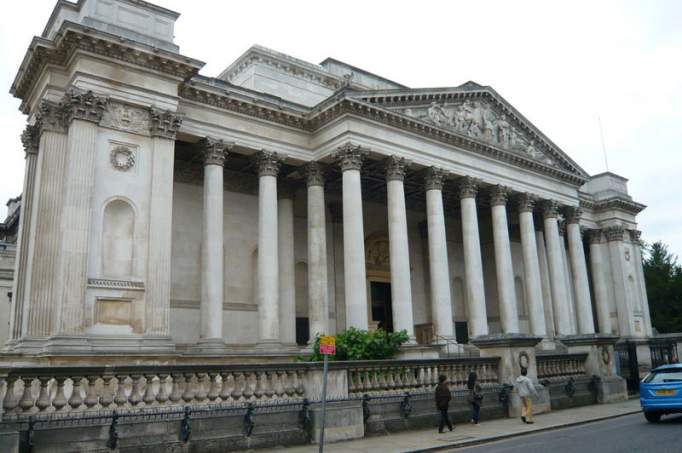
652 417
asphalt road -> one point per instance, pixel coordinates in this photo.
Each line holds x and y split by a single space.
630 433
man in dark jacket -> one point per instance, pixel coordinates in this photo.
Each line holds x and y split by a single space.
443 397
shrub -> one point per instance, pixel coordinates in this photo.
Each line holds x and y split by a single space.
356 344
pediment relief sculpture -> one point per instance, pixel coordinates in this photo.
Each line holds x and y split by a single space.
479 120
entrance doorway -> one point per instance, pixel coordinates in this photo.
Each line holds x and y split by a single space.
382 309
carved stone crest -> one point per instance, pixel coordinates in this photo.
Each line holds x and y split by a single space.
122 158
126 118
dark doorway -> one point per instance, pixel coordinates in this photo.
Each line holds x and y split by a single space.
382 310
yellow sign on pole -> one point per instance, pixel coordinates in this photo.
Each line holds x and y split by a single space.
328 345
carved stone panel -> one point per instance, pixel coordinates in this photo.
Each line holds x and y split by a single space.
126 118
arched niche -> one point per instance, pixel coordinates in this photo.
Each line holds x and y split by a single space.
118 233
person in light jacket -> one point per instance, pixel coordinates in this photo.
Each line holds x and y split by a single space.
525 388
443 397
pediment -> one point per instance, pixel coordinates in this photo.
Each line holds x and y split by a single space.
478 113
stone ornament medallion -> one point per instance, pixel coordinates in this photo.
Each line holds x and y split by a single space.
605 355
627 255
524 360
122 158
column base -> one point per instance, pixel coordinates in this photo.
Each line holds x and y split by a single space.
209 346
448 345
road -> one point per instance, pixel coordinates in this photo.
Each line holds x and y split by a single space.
630 433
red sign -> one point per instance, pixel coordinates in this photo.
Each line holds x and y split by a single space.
328 345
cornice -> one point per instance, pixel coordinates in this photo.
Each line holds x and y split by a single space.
620 204
73 37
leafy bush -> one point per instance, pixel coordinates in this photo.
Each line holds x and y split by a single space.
356 344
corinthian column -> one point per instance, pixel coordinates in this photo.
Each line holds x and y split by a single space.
350 158
268 262
581 286
473 265
318 303
531 266
439 272
556 268
84 111
212 274
506 293
401 289
599 264
287 265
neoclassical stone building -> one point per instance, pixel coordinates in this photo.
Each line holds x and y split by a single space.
168 212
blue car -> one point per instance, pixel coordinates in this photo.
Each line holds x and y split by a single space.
661 392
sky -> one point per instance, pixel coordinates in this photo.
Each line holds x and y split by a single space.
565 65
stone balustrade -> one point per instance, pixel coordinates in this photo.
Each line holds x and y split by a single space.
561 366
417 376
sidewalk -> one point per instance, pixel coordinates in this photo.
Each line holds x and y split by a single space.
463 435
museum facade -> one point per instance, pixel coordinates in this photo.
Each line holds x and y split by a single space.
168 212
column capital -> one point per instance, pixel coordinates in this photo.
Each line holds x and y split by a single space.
550 209
268 163
164 123
467 187
573 214
214 151
30 138
434 178
51 116
636 236
614 233
84 105
499 195
314 174
396 167
525 202
594 236
350 156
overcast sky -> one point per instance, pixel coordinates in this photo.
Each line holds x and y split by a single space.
562 64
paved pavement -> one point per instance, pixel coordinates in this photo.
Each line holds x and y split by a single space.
487 431
631 434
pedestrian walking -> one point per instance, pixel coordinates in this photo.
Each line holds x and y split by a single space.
475 397
443 397
525 388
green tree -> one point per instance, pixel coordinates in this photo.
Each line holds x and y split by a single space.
663 277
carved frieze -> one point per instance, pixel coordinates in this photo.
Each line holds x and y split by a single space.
122 158
314 174
350 156
499 195
434 179
126 118
396 167
468 187
525 202
30 138
84 106
481 120
215 151
164 123
268 163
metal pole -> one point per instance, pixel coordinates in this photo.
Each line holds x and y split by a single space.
324 402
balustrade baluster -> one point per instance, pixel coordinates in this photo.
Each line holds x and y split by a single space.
162 395
188 393
288 384
201 394
176 389
135 396
10 401
421 377
59 400
108 391
91 398
239 387
43 401
366 379
214 387
269 384
249 386
399 380
75 400
390 378
280 392
228 385
121 398
299 382
149 398
26 402
374 379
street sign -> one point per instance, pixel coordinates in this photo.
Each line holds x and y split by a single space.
328 345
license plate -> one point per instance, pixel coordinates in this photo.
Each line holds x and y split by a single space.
665 392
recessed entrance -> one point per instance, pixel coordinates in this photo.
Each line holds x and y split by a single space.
382 309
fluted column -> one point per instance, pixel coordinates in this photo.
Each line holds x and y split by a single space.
570 296
350 158
287 265
318 301
531 266
268 261
635 236
544 279
164 127
506 293
556 268
439 270
599 266
212 251
30 138
623 298
401 288
583 301
473 265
